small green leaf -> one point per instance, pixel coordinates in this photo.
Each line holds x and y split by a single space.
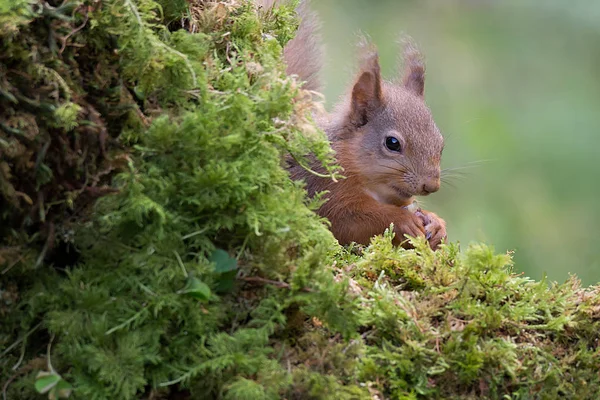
45 381
223 261
226 268
139 93
225 282
197 289
63 389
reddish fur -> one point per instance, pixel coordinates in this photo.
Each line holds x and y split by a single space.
357 130
356 216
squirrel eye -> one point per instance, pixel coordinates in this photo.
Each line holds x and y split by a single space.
393 144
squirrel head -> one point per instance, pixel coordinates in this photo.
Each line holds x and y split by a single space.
388 134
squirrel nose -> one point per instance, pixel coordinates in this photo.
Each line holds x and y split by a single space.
432 185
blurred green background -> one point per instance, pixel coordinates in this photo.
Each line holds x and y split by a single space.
515 88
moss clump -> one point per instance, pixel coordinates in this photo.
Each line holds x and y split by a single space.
153 245
474 328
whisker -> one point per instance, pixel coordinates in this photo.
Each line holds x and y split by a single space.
459 168
459 172
482 161
407 167
399 163
470 164
392 168
454 175
448 183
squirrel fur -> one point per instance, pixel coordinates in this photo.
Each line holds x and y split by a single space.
384 137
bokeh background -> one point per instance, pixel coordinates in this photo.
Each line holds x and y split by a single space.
515 88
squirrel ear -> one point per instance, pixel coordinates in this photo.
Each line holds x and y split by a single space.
414 68
366 93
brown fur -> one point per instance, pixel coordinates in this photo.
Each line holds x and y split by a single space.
379 182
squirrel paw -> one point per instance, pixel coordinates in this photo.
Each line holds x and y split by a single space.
435 228
410 224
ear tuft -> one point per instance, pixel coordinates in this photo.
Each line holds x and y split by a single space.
414 68
366 93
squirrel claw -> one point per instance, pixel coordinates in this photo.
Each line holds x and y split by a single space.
428 236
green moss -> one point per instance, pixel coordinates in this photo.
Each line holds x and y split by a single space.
201 271
66 116
13 14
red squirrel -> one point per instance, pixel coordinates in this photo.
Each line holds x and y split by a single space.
384 138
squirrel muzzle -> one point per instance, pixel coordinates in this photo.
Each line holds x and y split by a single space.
429 186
